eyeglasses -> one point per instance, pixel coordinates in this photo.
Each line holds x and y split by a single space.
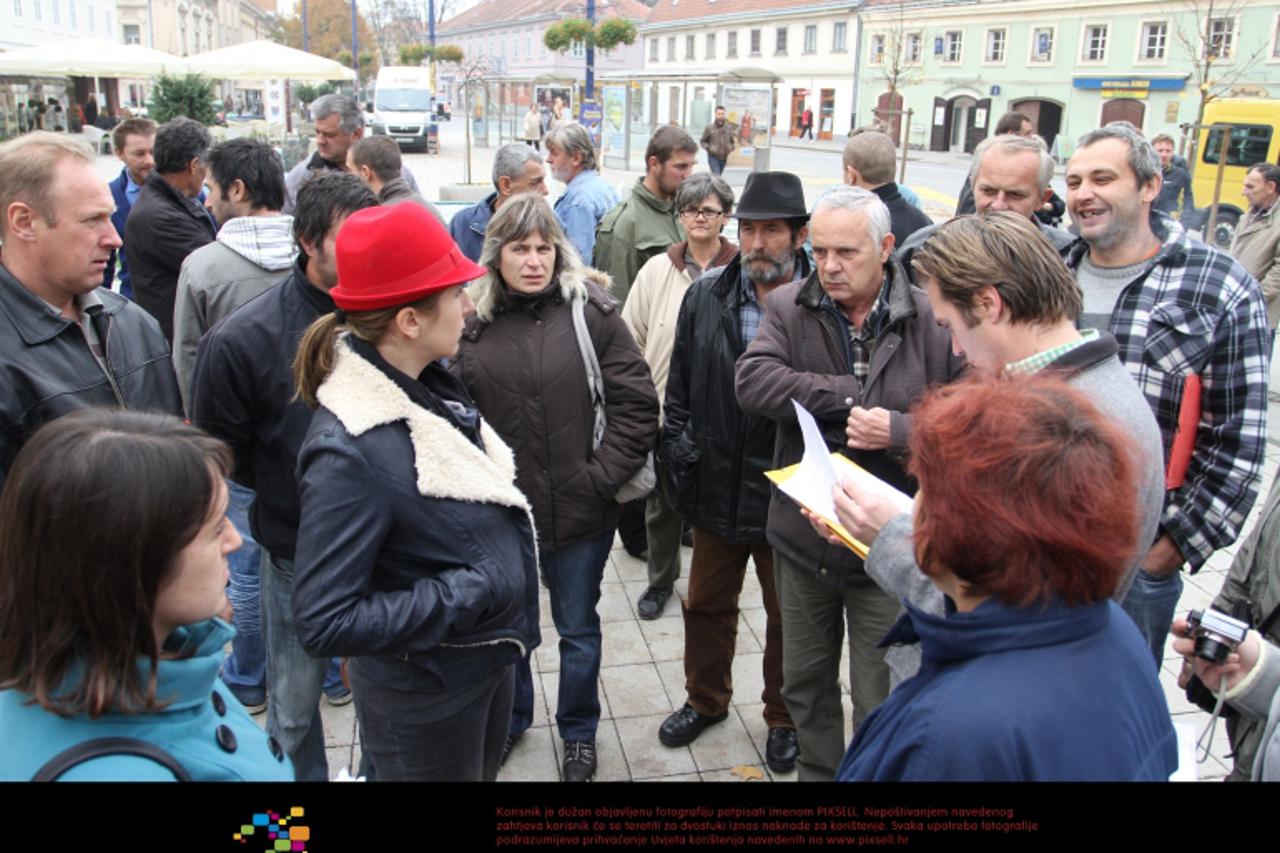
701 212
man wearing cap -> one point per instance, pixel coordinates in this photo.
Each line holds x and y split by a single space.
243 393
856 345
714 457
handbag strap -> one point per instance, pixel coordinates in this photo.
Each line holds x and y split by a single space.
103 746
595 379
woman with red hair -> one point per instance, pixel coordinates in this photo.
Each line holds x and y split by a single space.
1024 519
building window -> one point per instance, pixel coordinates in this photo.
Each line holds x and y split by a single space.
71 13
671 48
38 13
17 8
57 12
1095 43
1222 37
995 45
913 48
840 38
877 49
1042 44
711 45
578 50
1275 40
811 38
952 45
653 50
528 47
88 13
132 34
755 42
780 48
731 45
688 47
1155 37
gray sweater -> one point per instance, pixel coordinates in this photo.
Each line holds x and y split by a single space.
251 254
1096 371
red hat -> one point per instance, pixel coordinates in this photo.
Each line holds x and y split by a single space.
389 256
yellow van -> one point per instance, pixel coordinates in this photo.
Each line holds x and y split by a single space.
1255 138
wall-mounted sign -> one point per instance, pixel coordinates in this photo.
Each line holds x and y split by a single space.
995 91
1117 84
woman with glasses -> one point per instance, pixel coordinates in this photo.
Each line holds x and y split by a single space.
704 203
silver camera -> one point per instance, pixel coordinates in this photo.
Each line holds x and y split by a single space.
1216 634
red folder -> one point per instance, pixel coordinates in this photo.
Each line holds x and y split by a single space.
1184 439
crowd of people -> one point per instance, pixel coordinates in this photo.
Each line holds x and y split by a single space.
365 438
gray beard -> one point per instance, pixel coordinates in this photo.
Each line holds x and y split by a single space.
777 273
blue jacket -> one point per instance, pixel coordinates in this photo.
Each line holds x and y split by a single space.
119 192
467 226
204 726
1034 694
414 543
586 199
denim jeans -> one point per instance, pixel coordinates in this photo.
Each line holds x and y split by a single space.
573 578
438 736
1150 602
716 164
294 678
245 669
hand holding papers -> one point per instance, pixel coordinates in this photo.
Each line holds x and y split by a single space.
810 481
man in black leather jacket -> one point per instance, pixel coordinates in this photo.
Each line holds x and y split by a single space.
67 343
714 457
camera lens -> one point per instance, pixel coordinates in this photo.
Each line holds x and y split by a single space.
1212 648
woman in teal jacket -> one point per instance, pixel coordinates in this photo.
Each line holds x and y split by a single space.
113 571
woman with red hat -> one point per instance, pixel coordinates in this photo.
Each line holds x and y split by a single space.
523 357
416 554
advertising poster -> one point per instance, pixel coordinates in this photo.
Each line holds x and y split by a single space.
555 104
591 116
747 109
615 110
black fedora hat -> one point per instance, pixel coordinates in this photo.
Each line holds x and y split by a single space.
772 195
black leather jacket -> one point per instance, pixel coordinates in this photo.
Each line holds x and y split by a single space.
713 455
48 370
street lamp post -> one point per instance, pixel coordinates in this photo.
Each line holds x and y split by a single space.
591 52
355 55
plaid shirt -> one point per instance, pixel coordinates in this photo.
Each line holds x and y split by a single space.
749 310
1195 310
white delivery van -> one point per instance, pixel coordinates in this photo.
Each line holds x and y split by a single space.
403 105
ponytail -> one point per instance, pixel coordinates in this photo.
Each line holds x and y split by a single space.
314 360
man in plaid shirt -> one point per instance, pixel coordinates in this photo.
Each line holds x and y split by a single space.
1177 308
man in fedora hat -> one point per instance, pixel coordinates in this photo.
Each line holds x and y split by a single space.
714 457
855 344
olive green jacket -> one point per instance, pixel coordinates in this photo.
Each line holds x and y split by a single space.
641 226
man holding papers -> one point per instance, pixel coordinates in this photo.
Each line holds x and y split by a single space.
855 345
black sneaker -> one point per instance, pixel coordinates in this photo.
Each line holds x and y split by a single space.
579 760
781 750
651 603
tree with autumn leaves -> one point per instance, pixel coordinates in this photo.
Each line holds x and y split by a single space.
329 28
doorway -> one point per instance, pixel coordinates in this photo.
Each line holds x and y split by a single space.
1123 109
798 97
673 105
1046 116
826 113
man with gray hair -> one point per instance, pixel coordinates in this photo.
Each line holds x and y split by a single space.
856 345
1192 329
517 168
869 159
1008 173
339 123
587 197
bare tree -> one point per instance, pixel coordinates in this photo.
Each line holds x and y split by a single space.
1206 31
472 79
898 54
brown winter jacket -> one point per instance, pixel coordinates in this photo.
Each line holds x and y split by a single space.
802 351
520 359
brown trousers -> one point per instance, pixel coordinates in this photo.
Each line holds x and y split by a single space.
711 626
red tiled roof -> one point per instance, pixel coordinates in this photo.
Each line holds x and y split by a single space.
499 12
671 11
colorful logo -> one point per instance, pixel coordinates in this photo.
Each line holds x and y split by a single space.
276 832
